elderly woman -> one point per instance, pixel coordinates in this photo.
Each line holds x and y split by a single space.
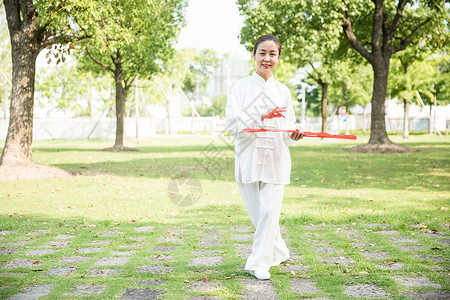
262 159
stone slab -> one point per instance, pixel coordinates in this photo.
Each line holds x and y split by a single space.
375 254
243 250
365 291
435 295
152 282
419 281
303 286
123 253
62 271
73 260
323 249
110 233
161 258
206 252
40 252
170 240
362 245
210 232
104 272
351 231
156 269
259 289
164 249
210 241
142 294
202 298
243 229
296 268
87 289
391 266
112 261
135 245
345 261
432 234
206 261
444 242
33 292
55 244
406 247
425 257
8 250
403 239
94 243
7 232
203 286
387 232
242 237
22 263
90 250
144 229
65 236
21 243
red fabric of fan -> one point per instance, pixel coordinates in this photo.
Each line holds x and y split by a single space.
306 133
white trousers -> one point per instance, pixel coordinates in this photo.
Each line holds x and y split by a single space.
263 204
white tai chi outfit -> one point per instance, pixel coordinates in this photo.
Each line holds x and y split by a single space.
262 162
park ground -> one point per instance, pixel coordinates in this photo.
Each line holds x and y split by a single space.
168 222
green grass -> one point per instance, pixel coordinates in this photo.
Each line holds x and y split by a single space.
330 188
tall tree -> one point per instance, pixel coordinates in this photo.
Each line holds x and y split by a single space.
33 26
305 44
375 29
135 38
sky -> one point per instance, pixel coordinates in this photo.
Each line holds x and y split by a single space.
213 24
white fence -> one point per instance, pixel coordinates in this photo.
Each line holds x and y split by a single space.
82 128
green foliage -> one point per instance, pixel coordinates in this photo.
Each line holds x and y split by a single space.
140 33
217 107
63 87
202 66
429 75
352 84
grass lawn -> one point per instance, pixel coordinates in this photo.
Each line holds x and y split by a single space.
338 205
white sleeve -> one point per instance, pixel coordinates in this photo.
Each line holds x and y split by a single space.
290 119
236 118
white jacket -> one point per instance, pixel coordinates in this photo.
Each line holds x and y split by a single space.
262 156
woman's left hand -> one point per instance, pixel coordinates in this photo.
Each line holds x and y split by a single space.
296 136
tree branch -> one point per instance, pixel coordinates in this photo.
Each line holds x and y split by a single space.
353 40
12 9
398 16
407 40
98 62
377 29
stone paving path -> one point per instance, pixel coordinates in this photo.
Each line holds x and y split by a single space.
107 257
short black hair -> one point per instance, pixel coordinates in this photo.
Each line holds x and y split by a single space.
267 37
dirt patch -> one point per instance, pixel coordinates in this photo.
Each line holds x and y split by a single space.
30 171
381 148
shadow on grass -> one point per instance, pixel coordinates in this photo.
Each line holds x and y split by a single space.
328 166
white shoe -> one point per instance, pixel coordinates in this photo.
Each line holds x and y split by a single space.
260 275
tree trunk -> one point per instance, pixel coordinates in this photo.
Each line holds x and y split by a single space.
378 134
430 121
18 149
324 106
405 119
120 106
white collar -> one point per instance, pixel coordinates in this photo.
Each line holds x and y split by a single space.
260 81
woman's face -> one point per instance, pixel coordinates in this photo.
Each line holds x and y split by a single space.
266 58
